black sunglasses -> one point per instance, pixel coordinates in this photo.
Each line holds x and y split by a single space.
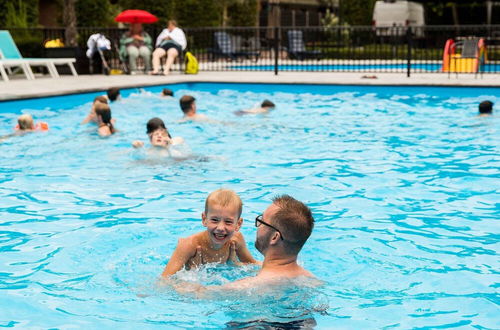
259 221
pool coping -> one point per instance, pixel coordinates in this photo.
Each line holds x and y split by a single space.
19 89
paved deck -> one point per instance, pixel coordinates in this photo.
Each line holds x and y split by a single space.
46 86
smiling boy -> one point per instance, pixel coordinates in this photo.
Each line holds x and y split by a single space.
221 242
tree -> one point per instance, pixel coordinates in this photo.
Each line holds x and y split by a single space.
70 35
357 12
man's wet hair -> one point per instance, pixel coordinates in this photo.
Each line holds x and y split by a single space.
185 102
167 92
155 124
113 94
267 104
486 107
294 220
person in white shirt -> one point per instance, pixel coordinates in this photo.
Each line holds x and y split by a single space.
171 42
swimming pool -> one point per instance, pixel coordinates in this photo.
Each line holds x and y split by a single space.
388 67
403 183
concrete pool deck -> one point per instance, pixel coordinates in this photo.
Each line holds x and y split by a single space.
46 86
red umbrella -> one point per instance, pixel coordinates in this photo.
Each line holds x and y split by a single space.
135 16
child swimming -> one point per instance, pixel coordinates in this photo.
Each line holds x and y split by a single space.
104 121
220 242
158 135
25 123
91 117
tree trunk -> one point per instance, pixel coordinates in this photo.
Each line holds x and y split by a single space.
224 14
70 34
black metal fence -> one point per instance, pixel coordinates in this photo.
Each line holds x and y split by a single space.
334 49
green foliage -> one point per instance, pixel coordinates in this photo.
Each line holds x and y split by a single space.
242 13
93 13
197 13
357 12
20 13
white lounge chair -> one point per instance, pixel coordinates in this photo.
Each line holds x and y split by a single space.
11 57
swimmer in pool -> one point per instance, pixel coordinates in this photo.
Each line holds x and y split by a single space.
104 120
158 135
485 109
265 107
221 242
25 124
91 117
282 231
113 94
167 93
188 107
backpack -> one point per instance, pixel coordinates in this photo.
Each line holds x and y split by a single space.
191 64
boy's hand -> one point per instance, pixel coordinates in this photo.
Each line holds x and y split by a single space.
233 257
137 144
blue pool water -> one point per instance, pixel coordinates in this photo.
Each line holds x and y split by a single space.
402 181
397 67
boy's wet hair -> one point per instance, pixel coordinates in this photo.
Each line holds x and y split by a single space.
167 92
25 122
113 94
155 124
101 98
185 102
486 107
224 197
267 104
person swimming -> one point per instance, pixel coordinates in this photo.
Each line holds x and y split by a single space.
158 135
282 231
189 109
265 107
485 108
167 92
25 123
91 117
113 94
104 120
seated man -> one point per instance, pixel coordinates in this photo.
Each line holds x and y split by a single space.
136 43
171 42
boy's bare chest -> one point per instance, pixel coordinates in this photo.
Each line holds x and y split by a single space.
209 256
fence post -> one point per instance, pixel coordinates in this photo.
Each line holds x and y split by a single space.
408 51
276 50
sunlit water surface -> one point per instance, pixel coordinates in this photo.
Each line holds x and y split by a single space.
403 184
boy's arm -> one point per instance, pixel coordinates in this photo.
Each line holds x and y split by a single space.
242 251
183 252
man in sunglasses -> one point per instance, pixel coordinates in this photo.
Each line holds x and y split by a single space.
282 231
